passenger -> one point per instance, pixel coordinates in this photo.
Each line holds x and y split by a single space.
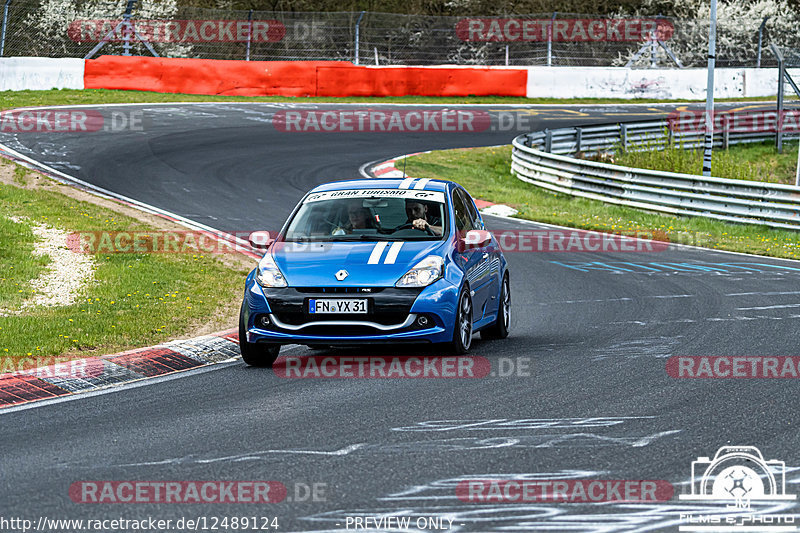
359 217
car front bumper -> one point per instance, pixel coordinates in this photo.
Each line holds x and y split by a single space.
278 315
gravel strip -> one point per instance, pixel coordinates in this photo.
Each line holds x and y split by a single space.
67 273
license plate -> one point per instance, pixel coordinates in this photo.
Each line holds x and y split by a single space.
340 306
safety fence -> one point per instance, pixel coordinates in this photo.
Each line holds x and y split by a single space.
73 28
543 159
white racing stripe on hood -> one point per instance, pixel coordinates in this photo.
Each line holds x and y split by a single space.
375 256
421 184
406 183
393 251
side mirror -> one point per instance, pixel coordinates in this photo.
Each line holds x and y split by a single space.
260 240
476 238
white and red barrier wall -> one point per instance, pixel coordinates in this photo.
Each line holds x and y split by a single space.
338 79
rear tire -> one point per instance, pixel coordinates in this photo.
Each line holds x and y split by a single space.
499 329
255 354
462 330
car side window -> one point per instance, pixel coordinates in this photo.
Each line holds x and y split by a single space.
475 218
462 216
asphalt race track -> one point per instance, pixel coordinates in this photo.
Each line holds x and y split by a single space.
595 328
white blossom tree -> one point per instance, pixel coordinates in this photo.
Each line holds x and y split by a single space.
49 25
737 30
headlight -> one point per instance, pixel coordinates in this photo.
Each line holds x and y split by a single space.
268 274
424 273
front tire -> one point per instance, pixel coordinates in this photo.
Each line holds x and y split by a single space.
499 329
462 330
255 354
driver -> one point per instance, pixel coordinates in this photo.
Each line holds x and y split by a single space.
418 217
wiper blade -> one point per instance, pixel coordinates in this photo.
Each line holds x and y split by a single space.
371 237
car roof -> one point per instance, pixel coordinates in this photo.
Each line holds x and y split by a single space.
386 183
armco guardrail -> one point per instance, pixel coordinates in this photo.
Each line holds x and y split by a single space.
540 158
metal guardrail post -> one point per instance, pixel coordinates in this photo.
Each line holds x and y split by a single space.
5 24
550 40
578 139
127 17
653 51
726 131
548 141
249 33
781 91
708 138
760 37
781 75
797 172
623 136
358 29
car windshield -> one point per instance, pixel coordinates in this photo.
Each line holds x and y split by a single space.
373 215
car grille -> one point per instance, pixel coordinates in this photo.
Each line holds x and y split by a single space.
387 306
385 319
339 290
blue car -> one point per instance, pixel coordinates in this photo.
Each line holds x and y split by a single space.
376 261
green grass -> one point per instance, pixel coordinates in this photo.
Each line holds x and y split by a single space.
486 174
10 99
759 161
135 299
17 262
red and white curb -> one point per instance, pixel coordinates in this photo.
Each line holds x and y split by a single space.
94 373
387 169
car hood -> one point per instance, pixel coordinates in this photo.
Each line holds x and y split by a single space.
368 264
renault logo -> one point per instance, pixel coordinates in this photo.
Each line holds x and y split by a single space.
341 275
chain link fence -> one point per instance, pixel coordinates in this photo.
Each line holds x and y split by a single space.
73 28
